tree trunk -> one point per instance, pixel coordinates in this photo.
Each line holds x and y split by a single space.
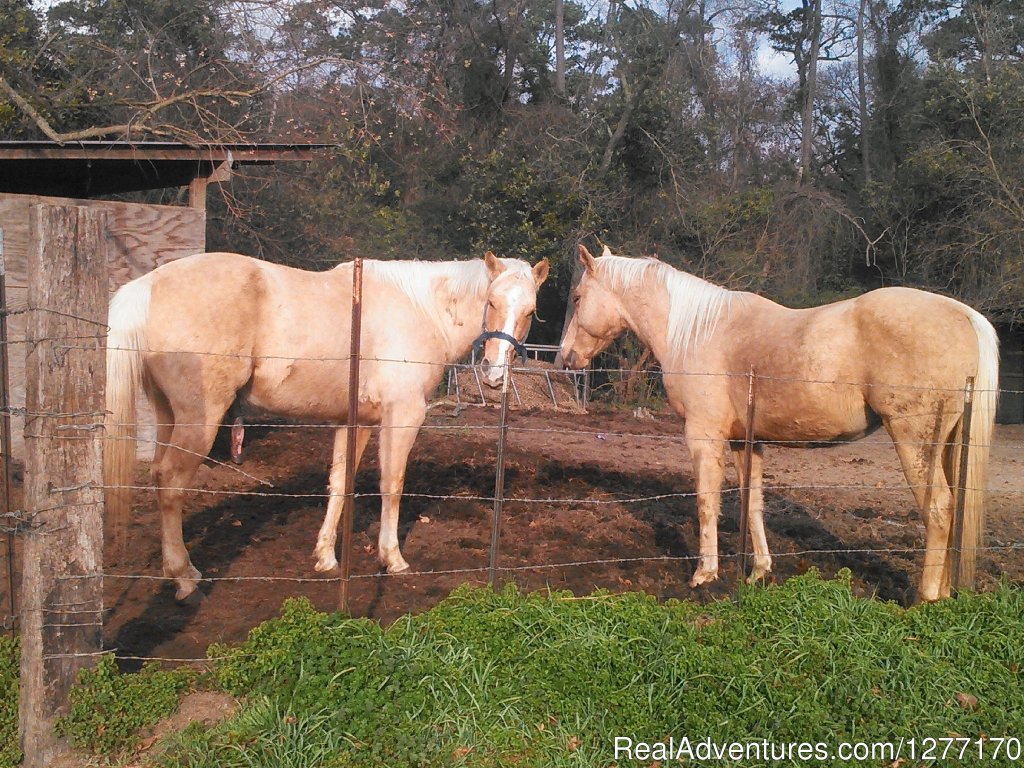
862 94
807 128
621 126
560 47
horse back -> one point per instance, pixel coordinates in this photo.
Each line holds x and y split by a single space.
917 339
223 325
210 302
887 336
831 372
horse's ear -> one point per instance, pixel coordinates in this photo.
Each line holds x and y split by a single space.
607 251
586 258
540 272
494 265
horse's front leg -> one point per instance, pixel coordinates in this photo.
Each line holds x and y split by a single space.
324 552
398 432
762 557
708 462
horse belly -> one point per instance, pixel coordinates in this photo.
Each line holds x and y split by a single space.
305 389
809 418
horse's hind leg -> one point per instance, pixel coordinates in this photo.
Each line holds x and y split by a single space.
187 445
920 450
324 552
755 522
164 423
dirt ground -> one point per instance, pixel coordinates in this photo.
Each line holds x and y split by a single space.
596 500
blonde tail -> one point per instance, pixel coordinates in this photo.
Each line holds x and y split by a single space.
986 396
129 309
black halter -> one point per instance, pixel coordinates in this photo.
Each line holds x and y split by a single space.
517 345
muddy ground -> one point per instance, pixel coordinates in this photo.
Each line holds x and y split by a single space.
584 490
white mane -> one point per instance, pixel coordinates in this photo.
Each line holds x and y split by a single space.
432 286
420 280
695 305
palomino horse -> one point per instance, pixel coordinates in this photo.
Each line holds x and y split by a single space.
895 356
203 331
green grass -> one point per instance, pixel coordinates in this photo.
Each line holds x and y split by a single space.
549 679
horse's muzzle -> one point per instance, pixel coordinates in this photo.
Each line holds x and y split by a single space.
492 375
572 360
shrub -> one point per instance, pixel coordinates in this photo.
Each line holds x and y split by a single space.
109 709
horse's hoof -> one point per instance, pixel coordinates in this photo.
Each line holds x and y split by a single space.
401 567
325 564
758 574
703 576
187 582
189 596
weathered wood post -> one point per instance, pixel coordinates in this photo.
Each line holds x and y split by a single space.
62 586
7 477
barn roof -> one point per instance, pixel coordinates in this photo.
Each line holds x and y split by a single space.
94 168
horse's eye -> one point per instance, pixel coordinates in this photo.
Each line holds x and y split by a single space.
576 298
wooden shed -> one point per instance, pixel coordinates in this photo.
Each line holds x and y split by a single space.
1011 374
140 236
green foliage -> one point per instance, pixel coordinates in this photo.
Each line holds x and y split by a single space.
10 754
547 679
518 205
108 709
952 215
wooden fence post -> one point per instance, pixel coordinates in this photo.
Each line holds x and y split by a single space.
7 477
62 585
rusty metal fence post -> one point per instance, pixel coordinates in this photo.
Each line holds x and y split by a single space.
499 483
353 424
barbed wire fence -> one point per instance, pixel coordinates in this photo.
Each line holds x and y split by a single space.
499 497
56 535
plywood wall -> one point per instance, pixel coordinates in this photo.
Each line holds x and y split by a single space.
140 238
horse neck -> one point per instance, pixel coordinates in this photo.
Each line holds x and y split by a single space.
460 302
466 311
450 297
647 317
673 324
